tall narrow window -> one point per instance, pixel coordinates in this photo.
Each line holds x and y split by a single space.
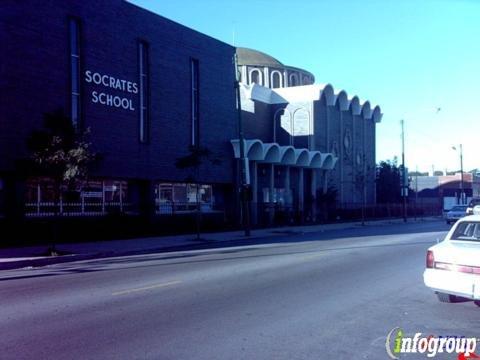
143 79
276 80
293 80
255 77
195 101
74 26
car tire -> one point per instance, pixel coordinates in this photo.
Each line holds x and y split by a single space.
476 302
448 222
446 298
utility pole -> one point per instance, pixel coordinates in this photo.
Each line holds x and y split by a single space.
416 192
404 171
364 185
244 187
462 192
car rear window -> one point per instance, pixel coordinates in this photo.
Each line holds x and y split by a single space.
467 231
459 208
474 202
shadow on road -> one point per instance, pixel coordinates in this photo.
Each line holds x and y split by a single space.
241 247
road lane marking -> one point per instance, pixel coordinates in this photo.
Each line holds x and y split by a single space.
156 286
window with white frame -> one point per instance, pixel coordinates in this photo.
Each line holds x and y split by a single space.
293 80
276 80
256 77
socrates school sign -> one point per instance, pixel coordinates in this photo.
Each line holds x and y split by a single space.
111 82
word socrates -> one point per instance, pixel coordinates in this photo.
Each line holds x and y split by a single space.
113 83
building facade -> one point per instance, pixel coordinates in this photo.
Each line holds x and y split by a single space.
336 132
445 191
149 90
146 88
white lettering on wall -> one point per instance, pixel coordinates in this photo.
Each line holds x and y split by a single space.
111 82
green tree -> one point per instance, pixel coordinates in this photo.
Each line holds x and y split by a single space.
196 157
326 202
61 153
388 182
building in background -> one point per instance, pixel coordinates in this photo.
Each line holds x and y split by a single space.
444 191
314 139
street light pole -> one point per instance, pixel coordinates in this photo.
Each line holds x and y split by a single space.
404 172
364 185
416 192
243 161
462 192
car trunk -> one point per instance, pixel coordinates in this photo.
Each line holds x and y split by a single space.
459 253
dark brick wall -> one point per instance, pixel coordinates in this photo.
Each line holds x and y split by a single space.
34 79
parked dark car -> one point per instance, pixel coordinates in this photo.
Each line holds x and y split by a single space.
455 213
472 204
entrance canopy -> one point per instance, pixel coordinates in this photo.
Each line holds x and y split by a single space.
273 153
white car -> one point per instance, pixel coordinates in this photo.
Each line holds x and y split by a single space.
453 266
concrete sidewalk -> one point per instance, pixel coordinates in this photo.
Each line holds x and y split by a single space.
34 256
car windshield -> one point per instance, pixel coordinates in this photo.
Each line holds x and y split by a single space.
467 230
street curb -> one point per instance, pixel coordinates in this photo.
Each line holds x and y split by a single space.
10 265
205 244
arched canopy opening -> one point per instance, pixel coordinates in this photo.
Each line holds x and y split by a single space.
253 149
315 159
301 157
271 153
287 155
329 162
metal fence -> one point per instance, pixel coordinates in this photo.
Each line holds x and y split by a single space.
357 211
177 207
85 207
266 214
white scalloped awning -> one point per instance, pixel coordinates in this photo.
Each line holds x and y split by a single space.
272 153
287 155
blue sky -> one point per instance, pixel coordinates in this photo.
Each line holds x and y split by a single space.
409 57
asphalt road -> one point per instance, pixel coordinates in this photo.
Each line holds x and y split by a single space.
330 295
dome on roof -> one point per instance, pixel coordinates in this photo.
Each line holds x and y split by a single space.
253 57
